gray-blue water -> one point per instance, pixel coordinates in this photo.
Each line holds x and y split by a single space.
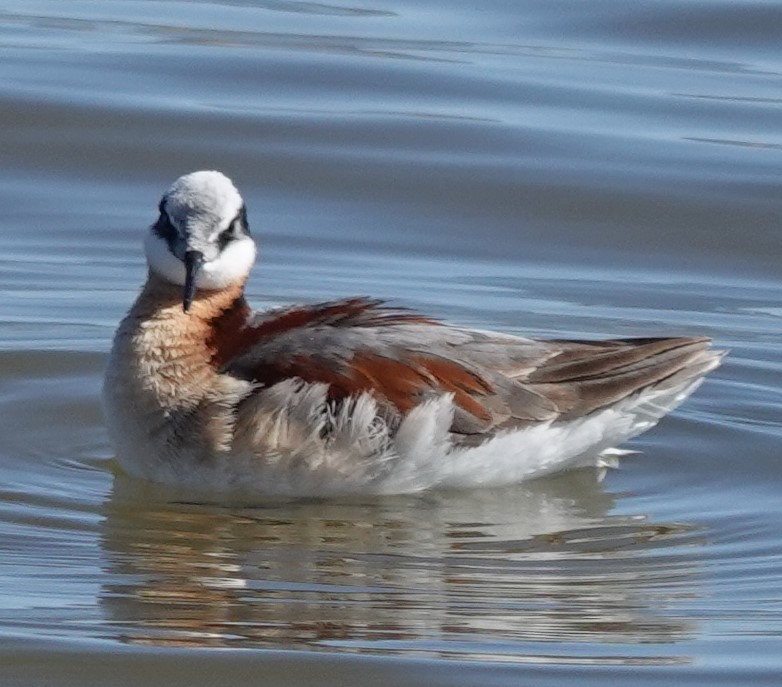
553 168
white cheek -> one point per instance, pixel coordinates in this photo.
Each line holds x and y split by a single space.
161 261
232 265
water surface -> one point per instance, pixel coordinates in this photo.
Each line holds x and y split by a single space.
545 168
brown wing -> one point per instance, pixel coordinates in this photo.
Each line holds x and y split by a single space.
497 381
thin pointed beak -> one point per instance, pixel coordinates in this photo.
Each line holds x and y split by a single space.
193 261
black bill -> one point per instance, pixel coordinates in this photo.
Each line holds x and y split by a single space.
193 261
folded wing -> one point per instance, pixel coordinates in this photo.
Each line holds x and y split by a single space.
402 359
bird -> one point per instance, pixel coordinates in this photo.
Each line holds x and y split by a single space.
354 395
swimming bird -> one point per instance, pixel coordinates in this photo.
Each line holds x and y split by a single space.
352 395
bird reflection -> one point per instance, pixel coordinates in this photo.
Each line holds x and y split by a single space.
503 574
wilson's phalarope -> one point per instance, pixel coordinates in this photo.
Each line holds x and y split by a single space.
352 395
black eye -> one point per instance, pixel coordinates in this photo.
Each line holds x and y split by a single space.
235 230
163 227
225 237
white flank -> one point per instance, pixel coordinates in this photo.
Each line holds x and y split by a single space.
361 457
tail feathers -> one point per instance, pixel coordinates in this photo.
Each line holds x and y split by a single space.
590 380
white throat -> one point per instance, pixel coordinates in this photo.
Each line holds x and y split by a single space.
231 265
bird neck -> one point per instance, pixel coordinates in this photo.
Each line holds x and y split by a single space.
162 300
170 353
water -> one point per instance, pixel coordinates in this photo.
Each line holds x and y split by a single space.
546 168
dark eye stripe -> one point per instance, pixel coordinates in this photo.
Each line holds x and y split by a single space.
163 227
225 237
236 229
242 217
